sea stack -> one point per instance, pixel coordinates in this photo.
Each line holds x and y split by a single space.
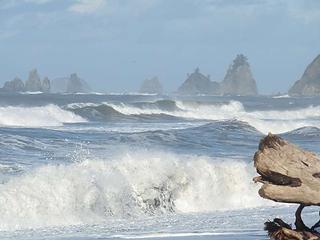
239 79
72 84
197 83
309 83
15 85
45 85
33 84
152 85
77 85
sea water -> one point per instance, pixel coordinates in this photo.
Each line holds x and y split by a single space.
130 166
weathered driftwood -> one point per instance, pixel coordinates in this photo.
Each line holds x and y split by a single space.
288 173
291 175
279 230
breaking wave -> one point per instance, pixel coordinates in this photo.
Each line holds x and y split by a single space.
132 185
275 121
306 131
49 115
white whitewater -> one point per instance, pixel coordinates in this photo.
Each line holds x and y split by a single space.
49 115
134 184
264 121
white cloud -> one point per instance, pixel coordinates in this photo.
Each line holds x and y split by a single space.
87 6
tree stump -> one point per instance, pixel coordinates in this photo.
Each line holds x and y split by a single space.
289 174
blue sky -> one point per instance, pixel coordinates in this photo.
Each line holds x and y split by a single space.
115 44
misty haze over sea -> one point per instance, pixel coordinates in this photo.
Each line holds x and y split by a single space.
114 45
140 119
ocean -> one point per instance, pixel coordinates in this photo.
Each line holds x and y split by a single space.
130 166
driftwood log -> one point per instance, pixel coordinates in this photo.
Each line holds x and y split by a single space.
289 174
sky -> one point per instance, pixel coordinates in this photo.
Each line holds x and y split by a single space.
115 44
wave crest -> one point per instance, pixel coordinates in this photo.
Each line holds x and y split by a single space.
137 184
49 115
275 121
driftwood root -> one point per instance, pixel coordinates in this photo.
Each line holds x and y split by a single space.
279 230
288 174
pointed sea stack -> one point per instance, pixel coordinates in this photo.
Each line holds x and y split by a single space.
239 79
309 83
152 85
33 84
197 83
45 85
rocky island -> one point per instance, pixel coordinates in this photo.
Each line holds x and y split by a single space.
309 83
72 84
33 84
237 81
152 85
15 85
197 83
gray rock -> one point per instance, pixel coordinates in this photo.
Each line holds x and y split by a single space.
239 79
15 85
309 83
152 85
45 85
76 85
73 84
197 83
33 84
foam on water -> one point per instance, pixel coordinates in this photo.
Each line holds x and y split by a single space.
49 115
31 93
263 121
281 96
131 185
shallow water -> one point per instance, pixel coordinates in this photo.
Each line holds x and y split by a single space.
141 166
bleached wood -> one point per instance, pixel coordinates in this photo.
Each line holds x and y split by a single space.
289 174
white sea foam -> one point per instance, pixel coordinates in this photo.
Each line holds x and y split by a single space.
31 93
282 96
264 121
174 235
49 115
81 105
134 184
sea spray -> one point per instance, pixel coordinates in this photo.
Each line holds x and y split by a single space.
275 121
49 115
132 185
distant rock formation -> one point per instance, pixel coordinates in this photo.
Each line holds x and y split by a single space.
239 79
45 85
33 84
197 83
309 83
15 85
73 84
151 85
